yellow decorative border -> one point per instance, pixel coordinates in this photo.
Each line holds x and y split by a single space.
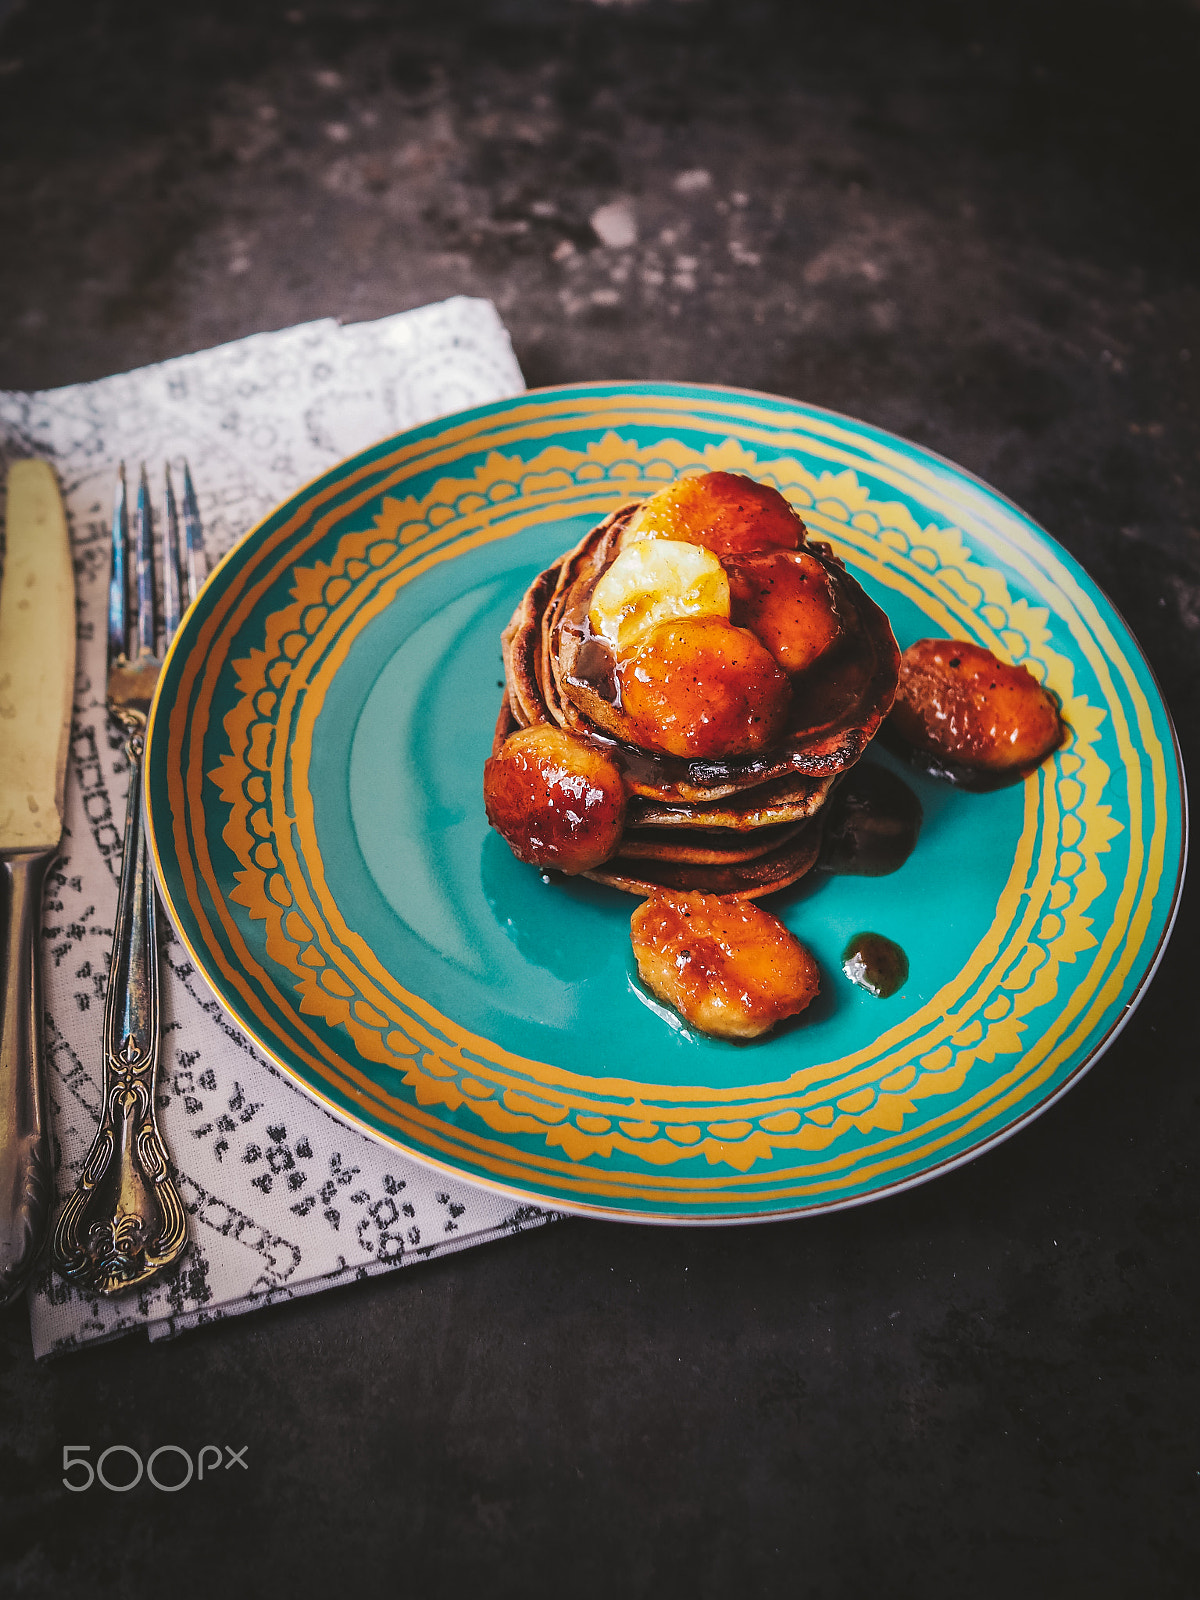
214 934
1041 920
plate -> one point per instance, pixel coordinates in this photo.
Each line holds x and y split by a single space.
314 800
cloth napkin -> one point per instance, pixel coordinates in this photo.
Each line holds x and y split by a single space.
283 1200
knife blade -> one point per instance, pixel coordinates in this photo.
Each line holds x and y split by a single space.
37 677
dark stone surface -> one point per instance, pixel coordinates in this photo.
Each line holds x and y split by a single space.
972 221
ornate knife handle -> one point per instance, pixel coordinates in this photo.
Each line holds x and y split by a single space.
125 1221
25 1185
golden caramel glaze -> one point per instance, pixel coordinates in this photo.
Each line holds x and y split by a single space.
556 800
728 967
699 687
786 599
724 511
955 701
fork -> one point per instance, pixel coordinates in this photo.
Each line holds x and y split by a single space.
125 1221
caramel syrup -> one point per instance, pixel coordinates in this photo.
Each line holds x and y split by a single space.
874 820
875 964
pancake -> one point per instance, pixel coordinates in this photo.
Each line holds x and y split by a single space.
703 846
555 673
787 799
746 825
749 880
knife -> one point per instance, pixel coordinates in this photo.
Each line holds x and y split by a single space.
37 678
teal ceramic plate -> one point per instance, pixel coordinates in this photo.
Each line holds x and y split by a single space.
314 796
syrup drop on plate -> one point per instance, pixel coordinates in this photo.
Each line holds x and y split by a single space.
873 824
875 964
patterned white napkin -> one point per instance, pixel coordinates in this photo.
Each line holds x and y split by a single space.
283 1199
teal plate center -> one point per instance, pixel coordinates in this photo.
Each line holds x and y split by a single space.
398 756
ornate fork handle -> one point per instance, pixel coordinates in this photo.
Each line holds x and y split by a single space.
125 1220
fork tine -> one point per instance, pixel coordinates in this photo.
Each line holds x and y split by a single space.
144 533
196 573
118 582
171 562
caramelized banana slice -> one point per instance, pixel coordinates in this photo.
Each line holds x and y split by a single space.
727 966
556 800
785 597
723 511
700 687
960 705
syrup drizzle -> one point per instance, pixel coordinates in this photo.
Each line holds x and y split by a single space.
876 964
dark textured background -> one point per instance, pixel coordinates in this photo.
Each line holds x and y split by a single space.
972 221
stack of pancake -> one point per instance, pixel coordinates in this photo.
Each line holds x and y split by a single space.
747 825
